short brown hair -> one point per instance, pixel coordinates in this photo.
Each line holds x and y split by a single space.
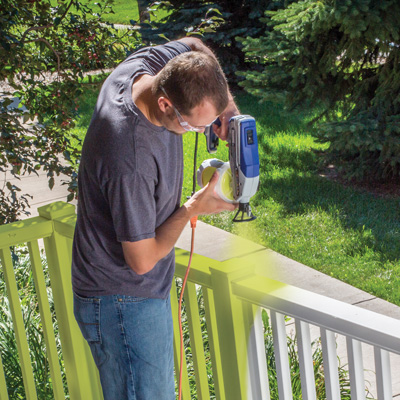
190 78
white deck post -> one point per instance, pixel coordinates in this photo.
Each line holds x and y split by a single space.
356 369
383 374
258 385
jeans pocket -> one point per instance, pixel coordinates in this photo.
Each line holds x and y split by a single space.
87 315
131 299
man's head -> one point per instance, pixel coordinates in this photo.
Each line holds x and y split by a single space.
195 86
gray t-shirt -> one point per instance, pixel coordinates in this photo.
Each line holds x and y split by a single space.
130 182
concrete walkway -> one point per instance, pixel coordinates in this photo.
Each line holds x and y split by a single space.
215 243
38 188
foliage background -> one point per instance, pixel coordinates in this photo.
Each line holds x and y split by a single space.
219 23
338 59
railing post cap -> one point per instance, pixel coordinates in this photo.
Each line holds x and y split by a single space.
232 269
56 210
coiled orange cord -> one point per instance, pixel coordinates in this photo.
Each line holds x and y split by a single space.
193 226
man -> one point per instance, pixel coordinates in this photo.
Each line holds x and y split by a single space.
129 213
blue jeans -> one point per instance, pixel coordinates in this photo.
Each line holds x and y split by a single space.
131 339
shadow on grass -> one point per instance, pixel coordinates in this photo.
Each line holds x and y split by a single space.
299 194
289 177
301 160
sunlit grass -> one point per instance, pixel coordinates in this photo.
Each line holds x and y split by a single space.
124 11
127 10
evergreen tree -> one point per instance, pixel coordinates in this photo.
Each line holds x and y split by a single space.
219 22
342 58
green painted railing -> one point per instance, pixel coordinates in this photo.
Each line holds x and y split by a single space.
55 225
226 336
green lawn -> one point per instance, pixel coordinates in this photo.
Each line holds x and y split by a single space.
126 10
351 235
123 11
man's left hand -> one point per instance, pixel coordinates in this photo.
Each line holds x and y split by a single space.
230 111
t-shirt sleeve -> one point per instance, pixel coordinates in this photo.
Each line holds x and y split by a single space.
156 57
132 204
171 50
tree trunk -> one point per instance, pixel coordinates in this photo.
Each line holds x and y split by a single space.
143 13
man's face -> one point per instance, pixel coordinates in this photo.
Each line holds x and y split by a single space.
200 116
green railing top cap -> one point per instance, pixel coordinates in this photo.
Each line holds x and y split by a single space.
56 210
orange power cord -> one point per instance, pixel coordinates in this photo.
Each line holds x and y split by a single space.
193 226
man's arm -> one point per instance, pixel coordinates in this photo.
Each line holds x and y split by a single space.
197 45
231 110
144 254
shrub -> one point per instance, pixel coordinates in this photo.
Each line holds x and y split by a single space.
45 52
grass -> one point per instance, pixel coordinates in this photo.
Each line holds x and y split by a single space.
123 12
126 10
341 231
351 235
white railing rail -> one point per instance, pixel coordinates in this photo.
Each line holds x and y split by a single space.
332 317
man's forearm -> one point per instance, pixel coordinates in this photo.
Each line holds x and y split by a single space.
168 233
143 255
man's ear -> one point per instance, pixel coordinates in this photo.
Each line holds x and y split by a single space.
163 103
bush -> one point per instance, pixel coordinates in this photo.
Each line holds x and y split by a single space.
45 52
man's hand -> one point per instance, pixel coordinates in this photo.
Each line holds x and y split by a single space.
206 201
230 111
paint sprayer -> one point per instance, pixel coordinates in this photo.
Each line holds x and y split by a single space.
239 178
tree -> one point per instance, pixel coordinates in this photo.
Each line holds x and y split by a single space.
143 13
341 58
219 22
45 52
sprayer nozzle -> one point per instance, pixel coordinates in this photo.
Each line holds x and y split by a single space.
244 209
